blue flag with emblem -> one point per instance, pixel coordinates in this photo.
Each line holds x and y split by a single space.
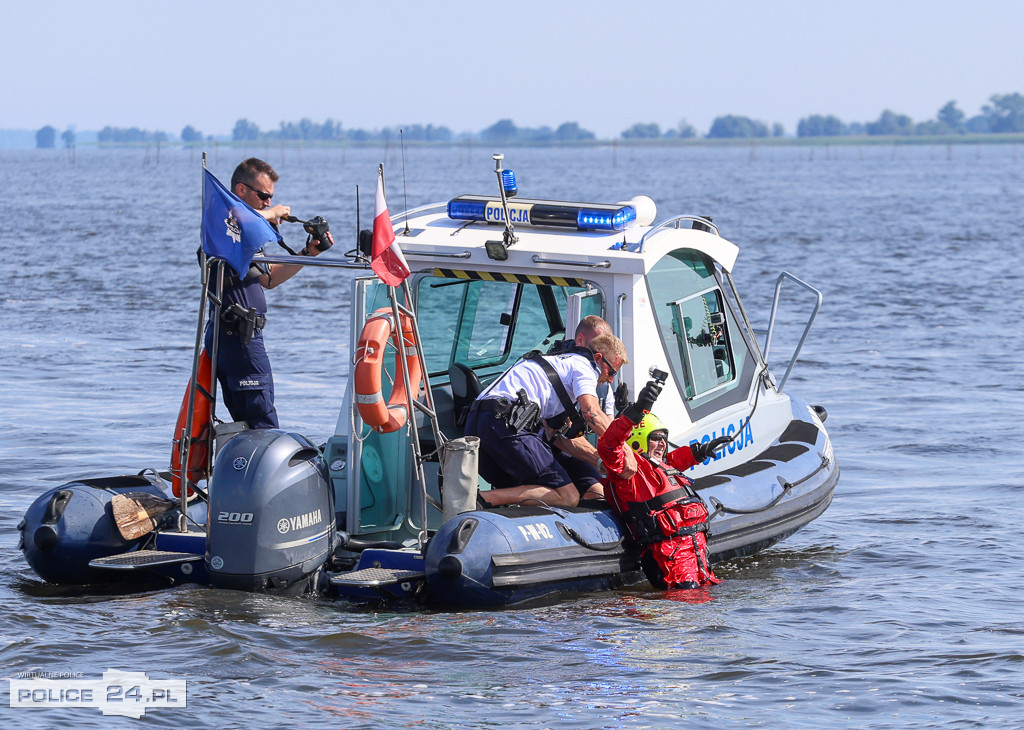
232 230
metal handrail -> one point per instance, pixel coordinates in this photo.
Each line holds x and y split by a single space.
748 330
676 220
807 328
398 309
437 254
310 261
404 215
561 262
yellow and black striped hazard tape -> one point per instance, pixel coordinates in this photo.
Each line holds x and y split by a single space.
513 278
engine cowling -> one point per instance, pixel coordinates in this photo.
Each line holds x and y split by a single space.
271 517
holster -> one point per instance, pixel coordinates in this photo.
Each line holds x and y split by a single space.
521 414
245 323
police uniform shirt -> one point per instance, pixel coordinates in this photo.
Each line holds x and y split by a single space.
248 292
577 373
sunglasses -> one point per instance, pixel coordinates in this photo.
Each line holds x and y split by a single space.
611 371
658 437
259 193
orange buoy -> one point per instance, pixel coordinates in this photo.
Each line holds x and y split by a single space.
201 437
379 328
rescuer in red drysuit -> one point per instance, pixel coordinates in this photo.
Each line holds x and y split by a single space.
663 514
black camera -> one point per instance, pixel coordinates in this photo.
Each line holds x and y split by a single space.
660 376
317 228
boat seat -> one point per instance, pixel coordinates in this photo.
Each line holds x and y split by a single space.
465 388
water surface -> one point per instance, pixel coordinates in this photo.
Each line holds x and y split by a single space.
899 607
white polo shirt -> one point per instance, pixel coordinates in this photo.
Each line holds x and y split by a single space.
577 373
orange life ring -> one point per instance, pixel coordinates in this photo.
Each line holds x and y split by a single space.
379 328
202 429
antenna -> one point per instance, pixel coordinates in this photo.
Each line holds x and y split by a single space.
498 250
405 188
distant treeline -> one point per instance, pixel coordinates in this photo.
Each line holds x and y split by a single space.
1004 113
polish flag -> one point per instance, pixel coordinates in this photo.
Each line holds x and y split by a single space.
387 261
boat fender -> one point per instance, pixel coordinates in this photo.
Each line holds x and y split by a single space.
379 328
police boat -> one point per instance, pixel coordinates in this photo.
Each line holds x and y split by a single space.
386 509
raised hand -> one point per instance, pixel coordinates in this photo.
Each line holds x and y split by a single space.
704 451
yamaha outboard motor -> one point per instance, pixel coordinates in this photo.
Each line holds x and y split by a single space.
271 523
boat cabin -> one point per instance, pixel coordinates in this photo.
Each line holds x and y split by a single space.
486 293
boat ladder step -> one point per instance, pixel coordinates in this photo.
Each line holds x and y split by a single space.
140 559
377 577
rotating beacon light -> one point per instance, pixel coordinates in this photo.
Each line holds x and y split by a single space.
498 250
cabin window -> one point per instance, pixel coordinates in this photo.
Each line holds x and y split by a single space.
707 355
487 325
701 332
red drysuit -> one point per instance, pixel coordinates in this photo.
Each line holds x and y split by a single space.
664 516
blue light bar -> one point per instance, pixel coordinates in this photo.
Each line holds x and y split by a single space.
590 219
554 213
461 209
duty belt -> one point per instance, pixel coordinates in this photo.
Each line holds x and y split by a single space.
520 415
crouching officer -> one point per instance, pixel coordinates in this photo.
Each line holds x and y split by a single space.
664 516
517 457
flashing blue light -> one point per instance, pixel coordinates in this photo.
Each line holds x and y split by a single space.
508 181
461 209
605 220
554 213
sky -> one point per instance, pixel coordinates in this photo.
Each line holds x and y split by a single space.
465 65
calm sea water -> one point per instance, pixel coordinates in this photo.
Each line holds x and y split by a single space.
900 607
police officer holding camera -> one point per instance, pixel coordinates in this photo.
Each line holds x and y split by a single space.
243 368
559 391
